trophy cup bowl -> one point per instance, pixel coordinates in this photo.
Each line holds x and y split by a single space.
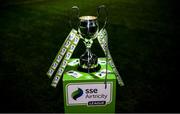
88 29
88 26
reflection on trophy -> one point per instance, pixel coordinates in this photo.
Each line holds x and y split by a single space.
88 28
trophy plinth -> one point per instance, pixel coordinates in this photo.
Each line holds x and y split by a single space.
88 29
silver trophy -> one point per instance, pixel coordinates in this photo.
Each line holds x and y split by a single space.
88 29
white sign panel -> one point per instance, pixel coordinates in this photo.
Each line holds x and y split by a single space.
91 94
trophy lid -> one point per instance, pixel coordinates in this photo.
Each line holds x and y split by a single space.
88 18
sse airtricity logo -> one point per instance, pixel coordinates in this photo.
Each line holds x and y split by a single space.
77 93
89 94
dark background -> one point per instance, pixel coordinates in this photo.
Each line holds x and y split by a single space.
143 43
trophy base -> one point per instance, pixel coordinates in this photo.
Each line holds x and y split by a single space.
88 62
90 70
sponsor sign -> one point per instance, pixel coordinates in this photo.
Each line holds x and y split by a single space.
90 94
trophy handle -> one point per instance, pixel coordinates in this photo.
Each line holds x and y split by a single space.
74 17
76 10
99 10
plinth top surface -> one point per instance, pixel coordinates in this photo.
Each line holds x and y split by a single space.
71 72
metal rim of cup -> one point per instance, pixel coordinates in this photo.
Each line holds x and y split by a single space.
88 18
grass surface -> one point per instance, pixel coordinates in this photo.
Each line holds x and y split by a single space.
141 42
